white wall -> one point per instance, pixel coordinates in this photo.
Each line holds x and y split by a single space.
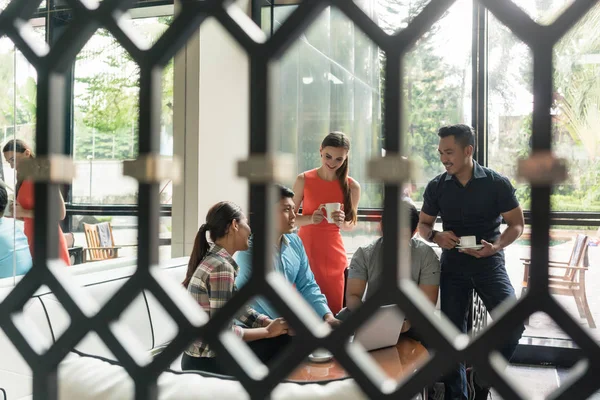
224 118
211 128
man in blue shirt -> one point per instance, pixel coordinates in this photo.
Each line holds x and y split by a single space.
290 259
472 201
14 248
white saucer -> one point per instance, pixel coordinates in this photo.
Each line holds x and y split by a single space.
476 247
320 356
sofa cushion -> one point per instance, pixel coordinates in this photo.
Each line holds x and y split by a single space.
15 373
92 378
47 314
163 326
135 318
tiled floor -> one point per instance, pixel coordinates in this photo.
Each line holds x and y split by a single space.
538 381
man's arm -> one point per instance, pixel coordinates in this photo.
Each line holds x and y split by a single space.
446 240
429 279
355 290
425 226
515 224
431 291
358 276
429 276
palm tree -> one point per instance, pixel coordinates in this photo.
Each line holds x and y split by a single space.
577 82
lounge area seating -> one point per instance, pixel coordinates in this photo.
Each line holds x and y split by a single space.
92 372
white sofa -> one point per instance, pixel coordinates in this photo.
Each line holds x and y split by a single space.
82 377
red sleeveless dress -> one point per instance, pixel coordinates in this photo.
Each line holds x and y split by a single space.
25 199
323 242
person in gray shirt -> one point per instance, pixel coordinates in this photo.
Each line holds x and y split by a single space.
365 269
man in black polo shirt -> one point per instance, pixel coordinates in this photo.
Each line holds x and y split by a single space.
472 201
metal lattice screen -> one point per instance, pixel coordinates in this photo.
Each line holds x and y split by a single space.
50 169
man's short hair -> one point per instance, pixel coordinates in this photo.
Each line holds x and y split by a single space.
414 215
463 134
285 192
3 200
407 205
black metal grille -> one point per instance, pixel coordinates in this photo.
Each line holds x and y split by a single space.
53 67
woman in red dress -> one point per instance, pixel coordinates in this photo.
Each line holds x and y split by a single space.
15 151
322 240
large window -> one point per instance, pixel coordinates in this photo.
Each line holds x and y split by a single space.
106 95
329 80
576 117
18 81
332 78
106 116
437 85
576 108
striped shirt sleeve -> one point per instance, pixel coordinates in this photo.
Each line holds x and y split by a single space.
252 318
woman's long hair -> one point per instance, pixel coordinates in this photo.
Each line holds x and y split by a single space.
218 221
340 140
18 146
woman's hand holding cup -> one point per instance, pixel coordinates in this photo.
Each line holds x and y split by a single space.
338 217
317 216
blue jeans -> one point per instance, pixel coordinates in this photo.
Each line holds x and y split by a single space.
493 287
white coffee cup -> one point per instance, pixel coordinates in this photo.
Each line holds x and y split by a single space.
320 355
468 241
329 209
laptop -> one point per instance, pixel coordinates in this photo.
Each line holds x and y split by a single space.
381 330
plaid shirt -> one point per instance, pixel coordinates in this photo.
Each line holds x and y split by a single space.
212 285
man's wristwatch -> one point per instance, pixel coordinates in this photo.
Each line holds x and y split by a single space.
432 235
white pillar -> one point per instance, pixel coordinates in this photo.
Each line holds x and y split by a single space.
210 128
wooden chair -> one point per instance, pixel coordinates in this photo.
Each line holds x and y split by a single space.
572 281
95 251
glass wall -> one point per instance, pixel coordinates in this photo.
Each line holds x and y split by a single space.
437 85
331 79
18 81
576 117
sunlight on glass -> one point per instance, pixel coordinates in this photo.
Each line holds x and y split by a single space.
543 12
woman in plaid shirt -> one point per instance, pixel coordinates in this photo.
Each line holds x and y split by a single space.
210 279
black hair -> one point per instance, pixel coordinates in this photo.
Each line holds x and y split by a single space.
218 220
3 200
18 146
407 205
285 192
414 215
463 134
